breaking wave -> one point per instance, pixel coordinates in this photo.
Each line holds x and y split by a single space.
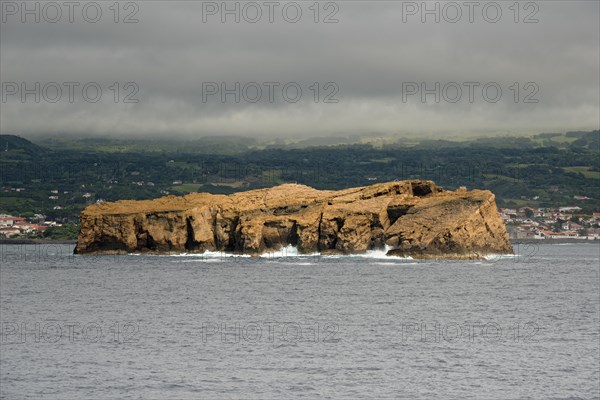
288 252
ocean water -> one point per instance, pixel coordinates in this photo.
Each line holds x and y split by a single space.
286 327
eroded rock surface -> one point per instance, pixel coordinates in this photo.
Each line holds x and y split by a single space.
409 218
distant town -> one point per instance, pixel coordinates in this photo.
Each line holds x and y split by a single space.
551 223
21 227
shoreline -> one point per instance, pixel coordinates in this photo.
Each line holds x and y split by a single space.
553 241
36 241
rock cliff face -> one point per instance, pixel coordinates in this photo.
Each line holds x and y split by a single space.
409 218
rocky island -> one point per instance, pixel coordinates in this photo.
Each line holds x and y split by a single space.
408 218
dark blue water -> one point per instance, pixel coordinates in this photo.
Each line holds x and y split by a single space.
165 327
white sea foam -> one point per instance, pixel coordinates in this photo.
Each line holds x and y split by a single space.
287 252
494 257
380 254
291 251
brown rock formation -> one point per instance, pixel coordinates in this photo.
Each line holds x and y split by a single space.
410 218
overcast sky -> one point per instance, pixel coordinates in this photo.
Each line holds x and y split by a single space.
373 63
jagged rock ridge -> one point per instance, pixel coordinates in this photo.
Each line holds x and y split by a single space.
411 218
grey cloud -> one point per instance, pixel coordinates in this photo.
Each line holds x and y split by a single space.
369 53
